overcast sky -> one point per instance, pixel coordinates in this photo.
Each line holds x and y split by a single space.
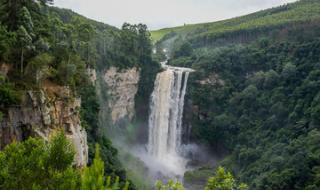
165 13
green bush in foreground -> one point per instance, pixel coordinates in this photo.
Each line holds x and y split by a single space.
222 180
93 176
33 164
36 165
171 185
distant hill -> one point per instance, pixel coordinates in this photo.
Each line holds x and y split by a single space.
303 10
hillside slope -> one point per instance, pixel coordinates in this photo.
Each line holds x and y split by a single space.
301 11
254 97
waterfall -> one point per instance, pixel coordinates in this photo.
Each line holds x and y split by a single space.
165 120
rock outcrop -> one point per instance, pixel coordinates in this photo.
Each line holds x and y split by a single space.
122 88
42 112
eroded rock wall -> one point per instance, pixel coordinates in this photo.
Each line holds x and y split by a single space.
122 88
42 112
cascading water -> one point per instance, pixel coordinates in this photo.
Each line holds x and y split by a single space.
165 123
165 120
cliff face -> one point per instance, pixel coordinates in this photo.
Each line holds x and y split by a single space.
122 88
42 112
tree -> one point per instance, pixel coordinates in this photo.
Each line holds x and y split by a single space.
60 152
289 71
8 94
25 33
25 43
221 181
144 44
271 79
224 181
11 11
93 177
25 20
38 68
85 35
171 185
184 50
7 40
34 164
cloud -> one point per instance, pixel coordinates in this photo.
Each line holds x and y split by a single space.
165 13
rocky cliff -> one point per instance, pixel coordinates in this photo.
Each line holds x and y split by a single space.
42 112
122 88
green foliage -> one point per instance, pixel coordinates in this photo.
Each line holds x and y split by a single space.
13 10
7 39
206 33
184 50
61 152
90 119
136 170
25 20
33 164
197 176
46 43
260 102
93 176
8 94
224 181
171 185
38 69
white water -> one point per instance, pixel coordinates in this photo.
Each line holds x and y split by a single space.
165 120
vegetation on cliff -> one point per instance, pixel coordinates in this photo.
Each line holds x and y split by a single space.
255 93
41 43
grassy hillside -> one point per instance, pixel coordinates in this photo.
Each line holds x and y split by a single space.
302 10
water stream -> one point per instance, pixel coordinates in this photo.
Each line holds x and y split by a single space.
165 120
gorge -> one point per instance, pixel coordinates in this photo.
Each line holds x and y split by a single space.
85 104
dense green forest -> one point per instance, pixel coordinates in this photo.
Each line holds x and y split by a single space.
254 98
43 43
255 93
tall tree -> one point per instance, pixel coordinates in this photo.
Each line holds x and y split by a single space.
25 43
93 177
34 164
224 180
25 34
10 10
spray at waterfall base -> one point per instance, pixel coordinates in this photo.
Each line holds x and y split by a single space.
164 155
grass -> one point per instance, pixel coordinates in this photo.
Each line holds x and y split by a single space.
300 11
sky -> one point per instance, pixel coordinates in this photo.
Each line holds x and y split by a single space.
165 13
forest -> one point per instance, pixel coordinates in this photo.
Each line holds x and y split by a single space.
41 43
253 98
